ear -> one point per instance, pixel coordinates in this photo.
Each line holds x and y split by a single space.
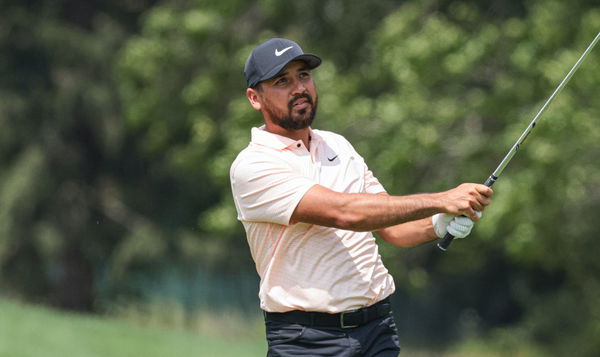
254 98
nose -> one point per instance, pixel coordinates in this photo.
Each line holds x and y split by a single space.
299 88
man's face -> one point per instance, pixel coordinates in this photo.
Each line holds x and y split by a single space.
290 99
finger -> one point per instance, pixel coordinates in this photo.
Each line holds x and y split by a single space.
484 190
470 212
483 201
463 222
477 206
455 232
460 227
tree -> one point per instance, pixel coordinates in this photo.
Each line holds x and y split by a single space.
61 143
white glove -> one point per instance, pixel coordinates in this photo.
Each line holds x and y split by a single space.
458 226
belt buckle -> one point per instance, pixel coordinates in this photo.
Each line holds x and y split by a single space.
342 324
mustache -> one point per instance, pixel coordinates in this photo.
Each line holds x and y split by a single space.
298 96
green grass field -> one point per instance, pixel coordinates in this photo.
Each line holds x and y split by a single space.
31 331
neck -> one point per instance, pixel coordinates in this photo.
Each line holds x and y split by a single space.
300 134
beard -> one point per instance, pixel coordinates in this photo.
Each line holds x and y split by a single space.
293 120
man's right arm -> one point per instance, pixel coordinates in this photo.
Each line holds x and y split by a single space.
372 212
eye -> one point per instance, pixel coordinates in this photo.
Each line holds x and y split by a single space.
281 81
304 75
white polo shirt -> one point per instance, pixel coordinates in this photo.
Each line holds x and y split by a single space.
306 266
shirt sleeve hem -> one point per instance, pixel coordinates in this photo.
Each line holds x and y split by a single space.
298 197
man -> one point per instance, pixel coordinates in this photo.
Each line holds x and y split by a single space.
309 203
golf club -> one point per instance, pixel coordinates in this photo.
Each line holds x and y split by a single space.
445 243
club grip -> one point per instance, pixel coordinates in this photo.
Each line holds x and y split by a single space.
448 238
445 243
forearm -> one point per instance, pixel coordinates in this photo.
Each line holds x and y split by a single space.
374 212
363 212
409 234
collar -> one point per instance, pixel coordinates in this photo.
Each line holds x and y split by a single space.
261 136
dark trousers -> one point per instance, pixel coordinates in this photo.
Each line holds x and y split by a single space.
378 337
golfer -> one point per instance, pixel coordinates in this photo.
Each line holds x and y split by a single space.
309 205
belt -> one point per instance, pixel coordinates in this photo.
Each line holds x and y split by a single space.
346 319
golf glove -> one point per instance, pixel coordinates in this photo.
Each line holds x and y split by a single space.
458 226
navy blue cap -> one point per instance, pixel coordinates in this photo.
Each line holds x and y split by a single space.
269 58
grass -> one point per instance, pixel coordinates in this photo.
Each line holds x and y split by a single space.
164 331
31 331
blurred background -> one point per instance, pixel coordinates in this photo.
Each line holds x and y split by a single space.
119 121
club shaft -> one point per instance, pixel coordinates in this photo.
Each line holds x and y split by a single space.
531 125
447 240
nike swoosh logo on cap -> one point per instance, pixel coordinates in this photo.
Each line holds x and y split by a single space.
279 53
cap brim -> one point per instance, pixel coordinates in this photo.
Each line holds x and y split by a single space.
313 61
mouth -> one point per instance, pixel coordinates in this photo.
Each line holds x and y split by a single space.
301 103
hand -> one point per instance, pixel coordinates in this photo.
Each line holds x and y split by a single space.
458 226
466 199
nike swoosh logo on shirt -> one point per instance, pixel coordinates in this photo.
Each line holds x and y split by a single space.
333 158
279 53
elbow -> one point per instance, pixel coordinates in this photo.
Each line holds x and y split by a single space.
396 239
347 213
352 222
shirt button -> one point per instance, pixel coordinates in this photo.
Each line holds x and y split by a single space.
298 145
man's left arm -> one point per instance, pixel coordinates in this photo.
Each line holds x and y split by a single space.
413 233
409 234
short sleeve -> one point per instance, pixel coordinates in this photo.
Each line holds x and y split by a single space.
266 189
372 184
